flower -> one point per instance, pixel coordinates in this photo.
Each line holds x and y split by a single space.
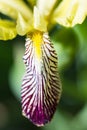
41 86
67 13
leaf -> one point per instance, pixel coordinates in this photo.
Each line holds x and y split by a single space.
80 122
17 69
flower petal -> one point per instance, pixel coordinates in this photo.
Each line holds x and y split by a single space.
39 22
70 12
41 88
11 7
23 26
7 30
8 10
45 6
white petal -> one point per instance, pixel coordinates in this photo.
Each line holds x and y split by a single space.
45 6
39 22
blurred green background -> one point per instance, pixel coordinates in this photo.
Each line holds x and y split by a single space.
71 113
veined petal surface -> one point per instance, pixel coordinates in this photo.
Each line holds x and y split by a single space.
41 87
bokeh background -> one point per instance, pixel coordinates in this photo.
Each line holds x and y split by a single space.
71 113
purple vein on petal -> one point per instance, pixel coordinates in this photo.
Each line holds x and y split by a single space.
41 87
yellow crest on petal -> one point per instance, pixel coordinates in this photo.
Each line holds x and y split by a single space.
37 40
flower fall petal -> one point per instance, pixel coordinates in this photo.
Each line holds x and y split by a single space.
41 88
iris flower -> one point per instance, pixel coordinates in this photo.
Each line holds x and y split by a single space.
41 86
